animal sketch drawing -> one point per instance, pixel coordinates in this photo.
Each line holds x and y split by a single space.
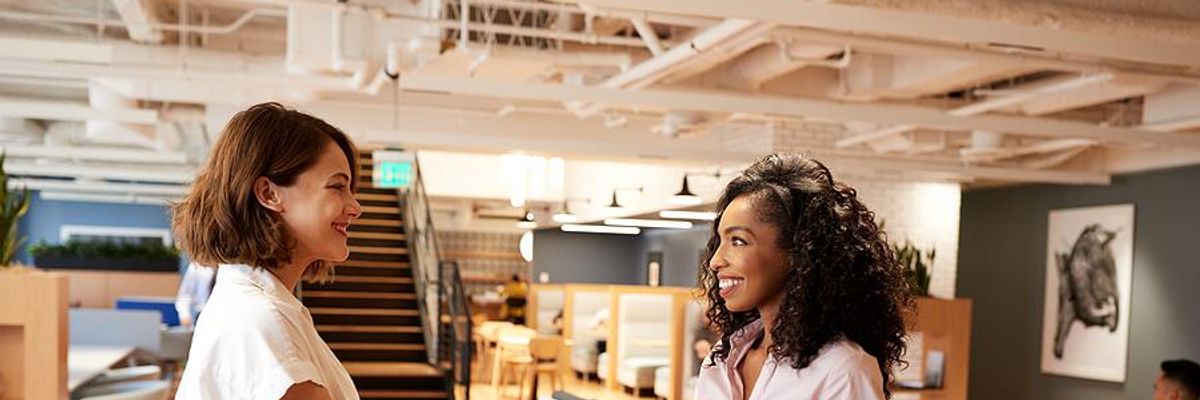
1087 285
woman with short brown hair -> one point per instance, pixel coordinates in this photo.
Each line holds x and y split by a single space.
270 207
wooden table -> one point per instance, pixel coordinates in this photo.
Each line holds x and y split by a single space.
85 362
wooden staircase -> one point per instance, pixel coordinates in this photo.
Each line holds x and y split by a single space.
368 315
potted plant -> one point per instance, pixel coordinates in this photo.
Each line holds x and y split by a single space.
13 206
106 256
918 266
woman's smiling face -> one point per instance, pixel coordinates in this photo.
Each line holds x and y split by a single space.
750 267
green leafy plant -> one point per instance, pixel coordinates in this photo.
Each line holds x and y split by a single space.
13 206
91 250
918 266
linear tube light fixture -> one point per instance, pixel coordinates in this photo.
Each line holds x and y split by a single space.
648 223
618 230
692 215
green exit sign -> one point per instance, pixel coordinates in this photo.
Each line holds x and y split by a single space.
393 174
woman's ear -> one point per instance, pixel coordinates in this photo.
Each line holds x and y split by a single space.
268 194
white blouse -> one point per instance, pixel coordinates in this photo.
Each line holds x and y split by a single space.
255 340
841 371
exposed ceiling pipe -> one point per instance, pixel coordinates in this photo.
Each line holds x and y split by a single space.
981 107
109 132
649 71
464 22
670 19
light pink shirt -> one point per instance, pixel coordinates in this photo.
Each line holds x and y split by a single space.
841 371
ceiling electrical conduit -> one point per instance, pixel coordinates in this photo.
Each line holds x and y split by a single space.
649 71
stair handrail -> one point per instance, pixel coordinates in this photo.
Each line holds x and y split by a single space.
458 346
425 258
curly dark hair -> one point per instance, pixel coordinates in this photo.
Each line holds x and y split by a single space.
842 280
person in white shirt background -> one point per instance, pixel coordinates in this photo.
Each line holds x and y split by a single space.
194 289
271 207
803 288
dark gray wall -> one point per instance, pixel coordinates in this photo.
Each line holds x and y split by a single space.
681 253
586 257
1001 266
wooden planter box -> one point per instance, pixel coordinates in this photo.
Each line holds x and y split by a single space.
33 335
106 264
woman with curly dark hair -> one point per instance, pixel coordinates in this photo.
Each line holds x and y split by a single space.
807 295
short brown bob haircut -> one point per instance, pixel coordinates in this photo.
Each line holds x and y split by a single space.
220 219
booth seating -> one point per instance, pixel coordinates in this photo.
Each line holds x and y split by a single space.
584 357
662 384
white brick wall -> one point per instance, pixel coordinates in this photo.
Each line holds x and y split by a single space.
927 213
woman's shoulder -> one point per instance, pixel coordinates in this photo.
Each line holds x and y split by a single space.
842 358
845 353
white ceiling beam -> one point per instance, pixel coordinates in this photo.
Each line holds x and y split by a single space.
998 102
97 187
124 173
928 26
95 153
140 18
55 50
71 111
725 102
980 54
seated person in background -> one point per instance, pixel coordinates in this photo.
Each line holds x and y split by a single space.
514 300
1179 380
558 323
194 288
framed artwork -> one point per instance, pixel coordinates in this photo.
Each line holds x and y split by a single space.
654 262
1089 269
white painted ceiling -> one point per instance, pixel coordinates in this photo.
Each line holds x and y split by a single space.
982 92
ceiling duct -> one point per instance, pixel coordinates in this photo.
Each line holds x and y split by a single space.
101 97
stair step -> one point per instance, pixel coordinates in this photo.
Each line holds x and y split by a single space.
392 369
375 264
379 250
368 329
377 312
381 210
372 279
377 197
358 295
401 394
378 346
378 222
376 236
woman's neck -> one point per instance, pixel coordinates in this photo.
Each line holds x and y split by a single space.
768 312
289 273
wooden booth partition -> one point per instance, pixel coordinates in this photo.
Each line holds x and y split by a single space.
542 303
578 304
33 335
672 337
945 326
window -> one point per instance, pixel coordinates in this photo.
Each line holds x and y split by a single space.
115 234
